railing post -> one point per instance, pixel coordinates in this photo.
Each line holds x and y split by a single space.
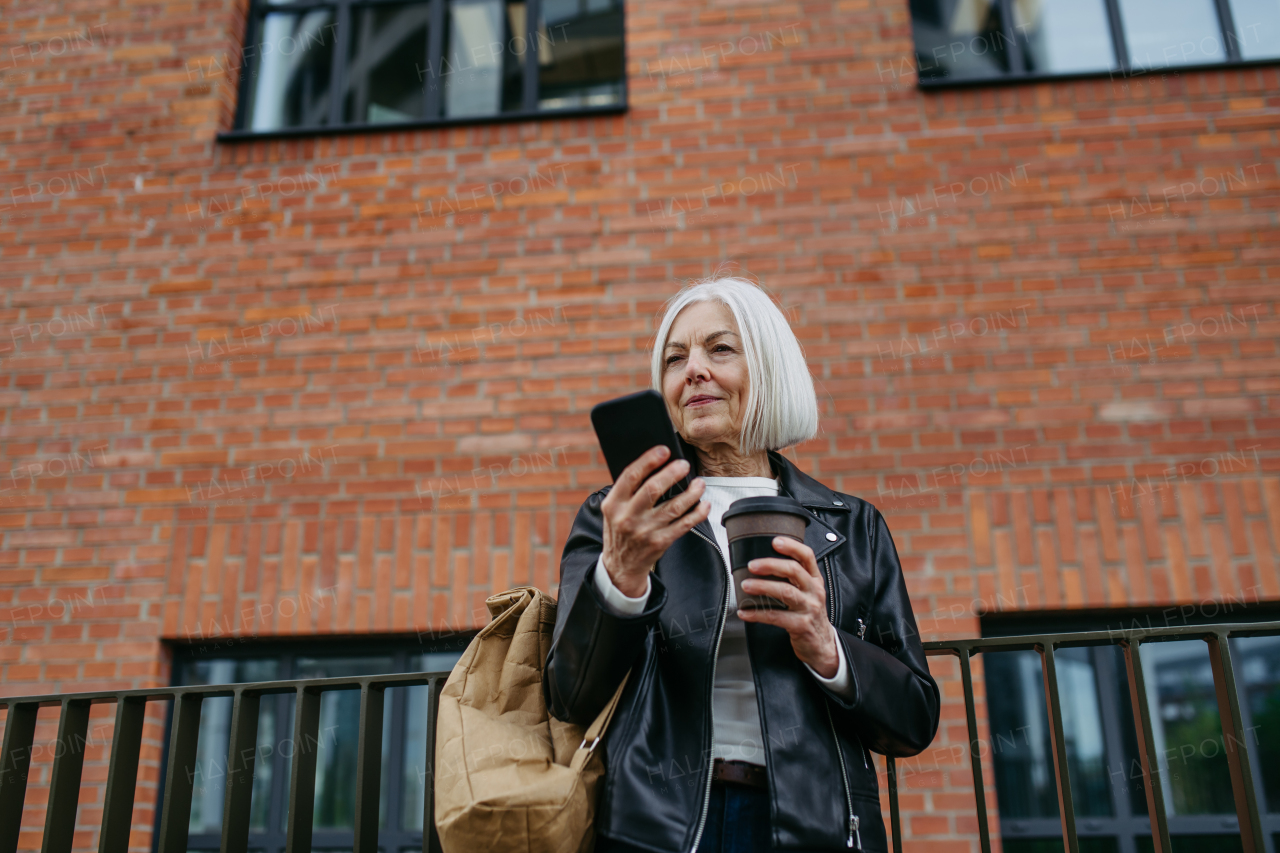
430 837
64 784
122 775
302 777
175 813
1066 804
242 748
895 817
1235 741
1152 781
975 755
15 763
369 768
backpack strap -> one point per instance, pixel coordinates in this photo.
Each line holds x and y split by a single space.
591 739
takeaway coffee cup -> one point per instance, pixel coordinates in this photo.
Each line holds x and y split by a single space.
751 524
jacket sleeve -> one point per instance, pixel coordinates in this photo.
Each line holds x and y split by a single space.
592 647
894 704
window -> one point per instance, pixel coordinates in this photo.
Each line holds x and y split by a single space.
962 41
404 744
1102 755
313 65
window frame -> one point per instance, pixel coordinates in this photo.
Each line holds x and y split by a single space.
435 54
1124 69
1125 824
393 838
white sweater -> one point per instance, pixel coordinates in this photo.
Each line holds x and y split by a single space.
736 713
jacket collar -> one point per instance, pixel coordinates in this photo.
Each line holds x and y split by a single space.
799 485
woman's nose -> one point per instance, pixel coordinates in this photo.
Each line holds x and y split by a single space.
696 367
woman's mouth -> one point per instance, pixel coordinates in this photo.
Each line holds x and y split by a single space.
700 400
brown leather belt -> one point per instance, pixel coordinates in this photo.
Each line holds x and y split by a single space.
740 773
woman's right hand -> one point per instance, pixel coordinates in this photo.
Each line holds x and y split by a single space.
636 532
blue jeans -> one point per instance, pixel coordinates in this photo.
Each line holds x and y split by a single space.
737 822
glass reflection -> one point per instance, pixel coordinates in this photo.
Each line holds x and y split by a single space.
292 64
1164 33
338 737
1026 783
580 54
210 780
1258 674
1186 726
1063 36
387 51
481 72
959 38
1257 28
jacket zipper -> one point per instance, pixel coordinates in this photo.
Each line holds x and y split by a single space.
724 612
844 774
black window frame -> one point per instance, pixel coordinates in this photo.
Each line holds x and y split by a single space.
435 54
1125 825
1120 48
392 838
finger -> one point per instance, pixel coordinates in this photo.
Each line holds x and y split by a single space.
789 569
656 486
798 551
685 523
796 600
633 475
682 502
788 621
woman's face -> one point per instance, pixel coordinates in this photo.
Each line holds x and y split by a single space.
704 375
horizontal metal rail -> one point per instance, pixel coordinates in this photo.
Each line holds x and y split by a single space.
175 802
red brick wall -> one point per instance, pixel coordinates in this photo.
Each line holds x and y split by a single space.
341 384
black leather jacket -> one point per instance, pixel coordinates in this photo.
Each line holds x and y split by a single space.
658 746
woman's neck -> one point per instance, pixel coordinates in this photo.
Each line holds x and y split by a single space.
726 464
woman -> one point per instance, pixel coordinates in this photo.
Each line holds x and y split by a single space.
737 731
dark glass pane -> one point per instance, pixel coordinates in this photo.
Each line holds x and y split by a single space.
1185 723
1258 674
1165 33
1257 28
1062 36
290 70
580 54
414 766
482 74
210 782
339 736
386 64
1026 783
959 39
1088 844
1194 844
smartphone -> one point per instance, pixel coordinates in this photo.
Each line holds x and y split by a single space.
629 426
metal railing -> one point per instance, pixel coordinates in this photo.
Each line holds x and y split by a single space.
180 767
175 803
1235 743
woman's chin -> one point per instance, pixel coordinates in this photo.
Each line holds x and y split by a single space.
703 430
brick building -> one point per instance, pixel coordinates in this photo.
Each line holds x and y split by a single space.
283 395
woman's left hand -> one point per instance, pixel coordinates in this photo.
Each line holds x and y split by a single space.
805 594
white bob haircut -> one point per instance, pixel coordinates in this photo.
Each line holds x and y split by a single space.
781 408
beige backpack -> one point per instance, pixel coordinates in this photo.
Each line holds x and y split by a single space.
509 777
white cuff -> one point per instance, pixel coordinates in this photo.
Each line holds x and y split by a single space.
840 683
620 603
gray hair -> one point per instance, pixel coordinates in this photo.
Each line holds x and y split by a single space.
781 408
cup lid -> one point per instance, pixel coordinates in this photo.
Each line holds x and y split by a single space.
766 503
